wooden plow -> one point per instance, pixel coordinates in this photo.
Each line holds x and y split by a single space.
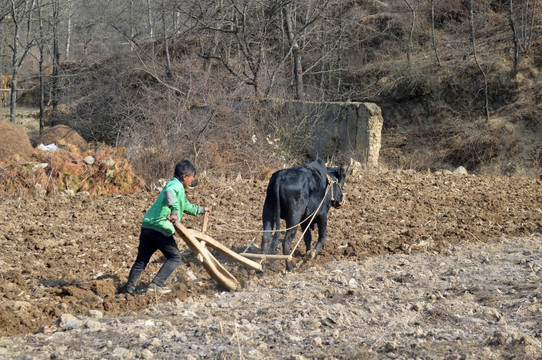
198 241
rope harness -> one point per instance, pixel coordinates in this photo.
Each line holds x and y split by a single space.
329 186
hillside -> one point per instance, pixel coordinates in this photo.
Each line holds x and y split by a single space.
454 88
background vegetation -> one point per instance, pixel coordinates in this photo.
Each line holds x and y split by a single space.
458 81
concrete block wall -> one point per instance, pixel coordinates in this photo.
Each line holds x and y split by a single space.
345 128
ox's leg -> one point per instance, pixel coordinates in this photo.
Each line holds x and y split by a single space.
268 218
322 228
266 239
287 246
307 237
275 242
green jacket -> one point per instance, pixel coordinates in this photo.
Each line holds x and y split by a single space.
172 200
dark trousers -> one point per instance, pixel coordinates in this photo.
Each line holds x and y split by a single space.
149 242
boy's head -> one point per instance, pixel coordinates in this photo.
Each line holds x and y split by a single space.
185 171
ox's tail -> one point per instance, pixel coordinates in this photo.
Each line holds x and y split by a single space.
276 223
271 215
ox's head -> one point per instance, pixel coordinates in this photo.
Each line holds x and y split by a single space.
336 176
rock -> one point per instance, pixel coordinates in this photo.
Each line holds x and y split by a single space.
20 305
531 341
317 341
155 342
191 275
89 160
353 283
95 314
297 357
122 353
46 329
40 166
390 347
93 325
68 192
460 170
147 354
69 322
355 168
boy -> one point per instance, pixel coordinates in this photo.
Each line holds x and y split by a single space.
157 228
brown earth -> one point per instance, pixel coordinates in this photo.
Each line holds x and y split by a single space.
61 135
72 254
13 141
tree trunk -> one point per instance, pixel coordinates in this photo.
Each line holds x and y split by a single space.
40 67
14 60
21 13
323 63
411 33
296 54
339 52
433 39
149 20
514 38
473 44
69 30
56 63
131 20
169 71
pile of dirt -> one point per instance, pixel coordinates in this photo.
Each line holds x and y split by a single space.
61 135
13 141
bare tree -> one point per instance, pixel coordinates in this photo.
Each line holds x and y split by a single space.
433 37
528 12
515 40
411 32
289 11
150 22
41 59
475 55
55 87
69 29
169 70
21 18
244 37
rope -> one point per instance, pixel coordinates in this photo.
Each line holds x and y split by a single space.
311 217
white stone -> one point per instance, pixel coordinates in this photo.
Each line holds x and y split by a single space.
89 160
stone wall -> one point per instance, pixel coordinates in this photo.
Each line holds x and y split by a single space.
327 129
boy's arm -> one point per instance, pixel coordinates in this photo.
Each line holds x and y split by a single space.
171 202
191 209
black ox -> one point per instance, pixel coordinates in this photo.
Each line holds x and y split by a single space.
295 194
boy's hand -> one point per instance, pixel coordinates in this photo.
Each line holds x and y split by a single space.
172 218
207 210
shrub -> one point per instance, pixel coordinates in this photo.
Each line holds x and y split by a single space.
65 169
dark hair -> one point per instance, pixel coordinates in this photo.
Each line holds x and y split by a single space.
184 167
